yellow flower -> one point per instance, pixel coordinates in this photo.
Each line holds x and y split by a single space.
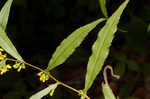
19 66
2 56
51 92
4 69
40 73
43 77
15 66
1 49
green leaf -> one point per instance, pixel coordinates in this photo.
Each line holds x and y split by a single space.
7 45
68 45
44 92
108 94
4 14
103 7
101 46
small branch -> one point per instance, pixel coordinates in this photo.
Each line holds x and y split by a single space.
50 76
105 74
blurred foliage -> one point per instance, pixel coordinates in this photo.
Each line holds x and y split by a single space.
36 27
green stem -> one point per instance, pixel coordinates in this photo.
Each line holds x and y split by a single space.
50 76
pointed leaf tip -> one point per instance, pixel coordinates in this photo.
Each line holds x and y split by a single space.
4 14
68 45
100 49
44 92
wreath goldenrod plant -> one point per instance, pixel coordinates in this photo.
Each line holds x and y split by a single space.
100 51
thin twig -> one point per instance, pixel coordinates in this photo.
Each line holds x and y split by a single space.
52 77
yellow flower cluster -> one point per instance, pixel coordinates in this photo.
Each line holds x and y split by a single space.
43 76
19 66
2 56
4 69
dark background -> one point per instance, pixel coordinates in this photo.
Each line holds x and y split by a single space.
36 27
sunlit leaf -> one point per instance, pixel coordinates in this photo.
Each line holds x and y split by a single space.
103 7
7 45
44 92
68 45
108 94
4 14
101 46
